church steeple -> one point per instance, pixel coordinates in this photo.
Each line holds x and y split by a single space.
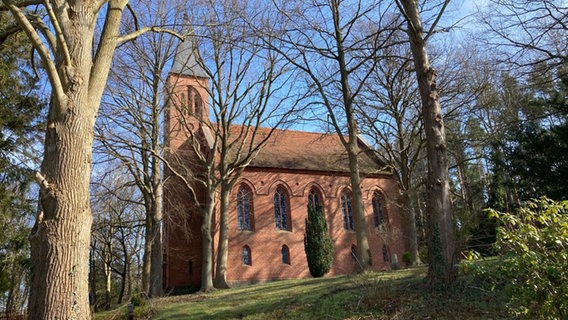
187 60
188 89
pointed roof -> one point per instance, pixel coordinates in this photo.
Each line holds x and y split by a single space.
186 60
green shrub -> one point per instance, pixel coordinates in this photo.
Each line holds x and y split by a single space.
407 259
317 243
137 300
534 241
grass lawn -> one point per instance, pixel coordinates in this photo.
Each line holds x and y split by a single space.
389 295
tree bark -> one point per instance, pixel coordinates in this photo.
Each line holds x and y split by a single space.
411 228
61 235
408 212
157 236
439 207
363 250
351 146
223 246
60 239
207 245
147 256
156 255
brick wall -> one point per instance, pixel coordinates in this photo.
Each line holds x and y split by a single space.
265 241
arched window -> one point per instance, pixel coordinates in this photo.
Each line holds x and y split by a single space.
347 211
385 253
281 210
247 256
354 253
285 252
378 213
194 102
314 198
244 208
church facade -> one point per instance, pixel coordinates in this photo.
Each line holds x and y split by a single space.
269 202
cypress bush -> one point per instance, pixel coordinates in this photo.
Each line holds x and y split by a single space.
317 242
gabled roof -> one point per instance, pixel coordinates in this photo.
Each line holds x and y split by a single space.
186 60
301 150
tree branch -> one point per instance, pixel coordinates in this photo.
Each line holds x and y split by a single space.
53 75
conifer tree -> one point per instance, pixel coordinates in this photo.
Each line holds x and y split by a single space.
317 243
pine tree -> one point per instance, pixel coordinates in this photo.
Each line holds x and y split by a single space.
317 243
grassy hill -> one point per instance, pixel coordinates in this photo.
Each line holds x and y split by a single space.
389 295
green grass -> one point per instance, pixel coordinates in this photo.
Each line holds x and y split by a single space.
389 295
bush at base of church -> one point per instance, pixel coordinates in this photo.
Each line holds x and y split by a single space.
317 243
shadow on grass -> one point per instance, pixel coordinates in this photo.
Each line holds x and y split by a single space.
330 298
398 294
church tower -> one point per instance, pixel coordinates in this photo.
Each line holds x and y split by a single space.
187 87
186 116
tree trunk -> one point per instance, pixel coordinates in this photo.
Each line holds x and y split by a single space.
223 246
125 268
107 258
411 228
92 278
207 245
439 208
157 238
61 236
363 250
147 256
408 212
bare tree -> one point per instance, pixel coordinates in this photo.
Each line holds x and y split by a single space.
331 44
76 57
439 206
390 115
131 127
118 220
527 33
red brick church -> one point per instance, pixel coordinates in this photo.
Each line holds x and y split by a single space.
269 202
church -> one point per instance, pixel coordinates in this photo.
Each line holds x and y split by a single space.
268 204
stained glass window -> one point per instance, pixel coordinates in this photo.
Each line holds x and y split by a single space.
244 209
347 211
280 210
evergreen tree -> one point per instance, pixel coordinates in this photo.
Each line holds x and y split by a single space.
537 149
19 109
317 243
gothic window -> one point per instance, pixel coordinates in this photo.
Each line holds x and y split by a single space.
385 253
247 256
194 102
281 210
378 213
314 198
244 209
285 253
347 211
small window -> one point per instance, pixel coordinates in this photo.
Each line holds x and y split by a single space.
385 253
285 252
244 221
347 211
313 198
281 210
247 256
194 102
190 266
378 213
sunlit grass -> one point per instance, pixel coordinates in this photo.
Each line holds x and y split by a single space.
398 294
